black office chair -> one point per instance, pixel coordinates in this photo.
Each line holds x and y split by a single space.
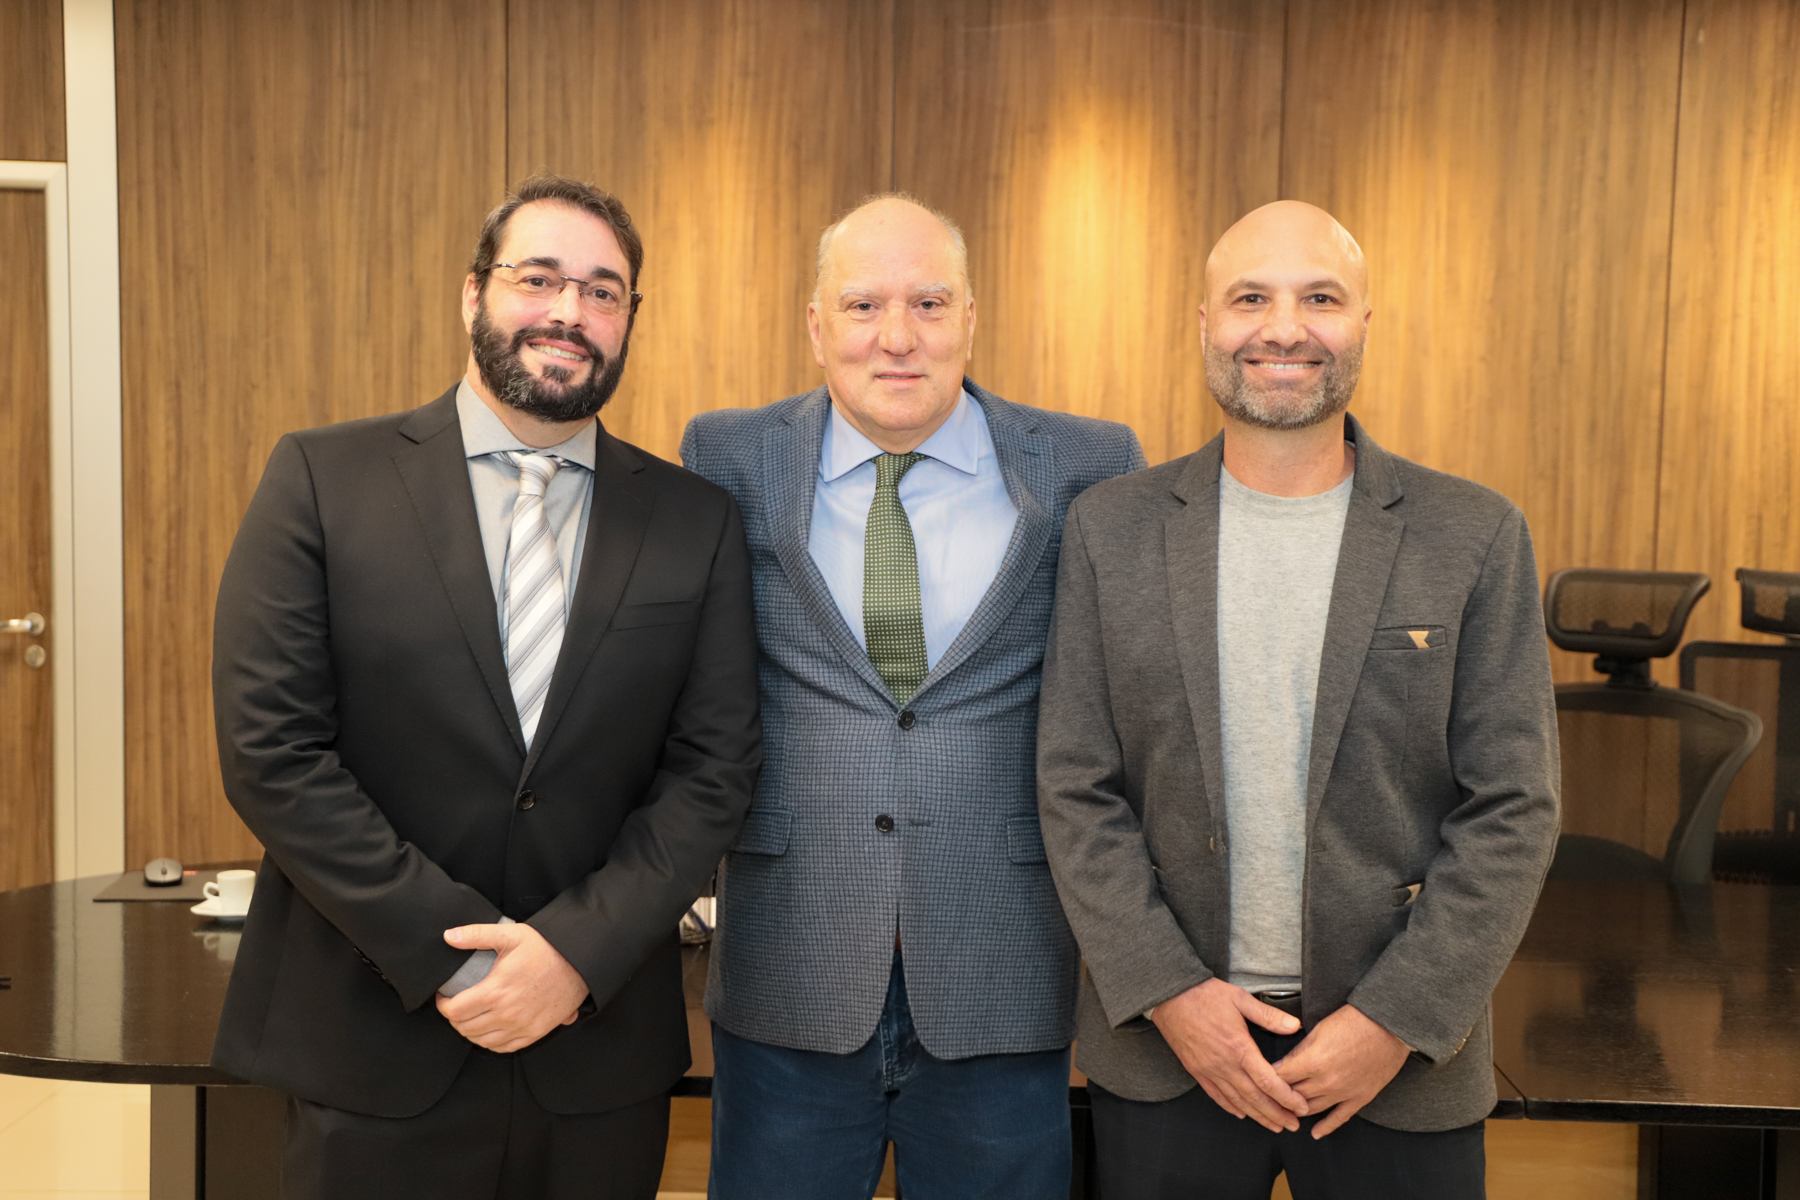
1645 768
1760 838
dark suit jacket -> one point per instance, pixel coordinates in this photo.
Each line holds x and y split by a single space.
368 737
1431 801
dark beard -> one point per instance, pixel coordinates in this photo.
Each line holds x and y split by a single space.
551 398
1273 409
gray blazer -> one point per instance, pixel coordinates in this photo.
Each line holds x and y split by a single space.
813 891
1431 807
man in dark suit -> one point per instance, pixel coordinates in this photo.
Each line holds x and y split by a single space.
484 680
1297 770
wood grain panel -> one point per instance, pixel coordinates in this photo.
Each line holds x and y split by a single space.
1091 155
27 698
1507 166
734 131
300 187
1731 447
32 125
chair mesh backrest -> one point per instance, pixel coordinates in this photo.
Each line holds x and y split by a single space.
1764 678
1634 777
1771 601
1639 614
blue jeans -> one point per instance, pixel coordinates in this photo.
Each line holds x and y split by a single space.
804 1125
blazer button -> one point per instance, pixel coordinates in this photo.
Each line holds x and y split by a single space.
527 801
907 720
884 823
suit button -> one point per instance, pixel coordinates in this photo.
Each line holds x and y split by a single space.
527 801
884 823
907 720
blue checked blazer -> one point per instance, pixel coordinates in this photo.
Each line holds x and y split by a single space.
813 891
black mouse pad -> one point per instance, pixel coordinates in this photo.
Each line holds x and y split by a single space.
131 886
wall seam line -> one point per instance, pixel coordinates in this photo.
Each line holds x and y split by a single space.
1662 399
1287 26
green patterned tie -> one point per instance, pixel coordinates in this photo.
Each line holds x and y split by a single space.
893 620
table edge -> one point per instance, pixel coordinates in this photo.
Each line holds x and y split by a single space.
86 1071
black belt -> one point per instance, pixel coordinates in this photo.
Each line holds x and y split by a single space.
1287 1002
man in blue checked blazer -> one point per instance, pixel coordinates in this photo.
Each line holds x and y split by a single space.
892 963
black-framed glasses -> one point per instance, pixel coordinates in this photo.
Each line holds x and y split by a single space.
602 297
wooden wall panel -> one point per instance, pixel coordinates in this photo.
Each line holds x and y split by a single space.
1092 155
734 131
1507 166
1731 447
32 125
300 185
27 696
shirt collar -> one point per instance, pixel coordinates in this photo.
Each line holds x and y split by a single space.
959 442
485 433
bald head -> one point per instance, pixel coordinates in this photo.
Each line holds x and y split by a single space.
1286 314
887 224
1282 237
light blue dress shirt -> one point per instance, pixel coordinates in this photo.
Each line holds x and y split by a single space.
956 501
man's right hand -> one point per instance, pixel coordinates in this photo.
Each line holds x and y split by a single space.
1207 1028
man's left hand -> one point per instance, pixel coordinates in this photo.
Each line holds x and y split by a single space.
530 990
1340 1065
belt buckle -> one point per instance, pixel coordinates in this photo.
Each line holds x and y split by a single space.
1285 1000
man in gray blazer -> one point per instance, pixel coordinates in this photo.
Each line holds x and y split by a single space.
1297 770
891 962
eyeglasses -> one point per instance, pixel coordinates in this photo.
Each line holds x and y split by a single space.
602 297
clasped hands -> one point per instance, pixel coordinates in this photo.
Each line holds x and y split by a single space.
530 990
1339 1066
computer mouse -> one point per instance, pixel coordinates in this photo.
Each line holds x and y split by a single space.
162 872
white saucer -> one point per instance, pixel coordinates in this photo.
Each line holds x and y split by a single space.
209 907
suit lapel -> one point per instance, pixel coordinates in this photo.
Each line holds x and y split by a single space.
790 473
618 515
1191 558
1027 465
436 474
1365 562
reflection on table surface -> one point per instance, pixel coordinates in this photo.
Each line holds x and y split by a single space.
117 993
1638 1002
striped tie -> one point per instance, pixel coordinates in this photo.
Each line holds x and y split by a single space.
534 592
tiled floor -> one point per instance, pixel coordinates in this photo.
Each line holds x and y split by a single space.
69 1140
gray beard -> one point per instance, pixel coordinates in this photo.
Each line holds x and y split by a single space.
1283 408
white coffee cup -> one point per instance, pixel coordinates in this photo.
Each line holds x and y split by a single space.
232 890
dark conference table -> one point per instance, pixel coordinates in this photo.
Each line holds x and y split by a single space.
1626 1003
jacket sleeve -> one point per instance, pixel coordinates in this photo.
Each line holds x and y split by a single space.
1482 885
275 712
1135 952
607 924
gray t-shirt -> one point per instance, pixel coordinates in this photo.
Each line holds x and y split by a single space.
1277 559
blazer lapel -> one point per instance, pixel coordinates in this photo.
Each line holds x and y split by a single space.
1365 562
436 474
618 516
1027 465
1191 558
790 473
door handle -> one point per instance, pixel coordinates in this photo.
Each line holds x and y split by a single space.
31 625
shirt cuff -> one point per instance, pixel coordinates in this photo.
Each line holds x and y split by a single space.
474 969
